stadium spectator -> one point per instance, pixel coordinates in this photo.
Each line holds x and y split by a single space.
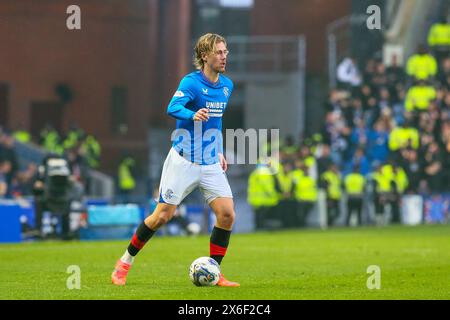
348 73
445 138
22 184
380 78
336 133
444 73
73 137
4 168
382 191
410 162
359 136
395 74
8 154
78 166
369 70
333 103
286 204
377 144
50 140
432 163
90 149
307 159
419 97
354 187
385 100
371 111
358 160
389 182
331 183
401 183
324 159
305 190
365 94
126 177
22 135
422 65
439 37
404 136
262 195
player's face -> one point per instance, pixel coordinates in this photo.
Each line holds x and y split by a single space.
217 60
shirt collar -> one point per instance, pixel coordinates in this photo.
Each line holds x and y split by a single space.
204 77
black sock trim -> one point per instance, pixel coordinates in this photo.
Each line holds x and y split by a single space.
220 237
140 238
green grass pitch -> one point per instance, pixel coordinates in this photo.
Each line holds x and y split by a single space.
300 264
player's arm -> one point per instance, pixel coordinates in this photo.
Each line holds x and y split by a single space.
177 106
179 111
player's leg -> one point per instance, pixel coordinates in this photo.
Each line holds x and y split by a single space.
178 179
220 235
160 216
217 192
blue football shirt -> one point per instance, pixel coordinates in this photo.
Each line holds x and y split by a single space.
199 141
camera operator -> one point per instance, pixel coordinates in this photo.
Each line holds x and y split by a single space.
54 190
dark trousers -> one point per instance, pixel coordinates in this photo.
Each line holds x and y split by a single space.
260 217
395 210
262 214
288 213
354 204
303 209
392 199
333 211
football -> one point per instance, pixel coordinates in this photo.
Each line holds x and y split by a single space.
204 272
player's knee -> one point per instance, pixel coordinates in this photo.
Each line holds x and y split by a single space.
158 220
162 219
227 218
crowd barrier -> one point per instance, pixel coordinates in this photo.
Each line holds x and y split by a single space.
100 220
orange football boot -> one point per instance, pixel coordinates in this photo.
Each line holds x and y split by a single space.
226 283
119 275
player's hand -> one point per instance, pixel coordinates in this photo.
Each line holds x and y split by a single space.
223 162
201 115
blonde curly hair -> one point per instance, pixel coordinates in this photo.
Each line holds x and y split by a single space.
206 45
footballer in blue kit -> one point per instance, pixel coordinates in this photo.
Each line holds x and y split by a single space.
196 158
195 92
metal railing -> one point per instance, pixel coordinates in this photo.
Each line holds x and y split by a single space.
266 54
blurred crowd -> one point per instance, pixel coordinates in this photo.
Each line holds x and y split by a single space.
81 150
386 131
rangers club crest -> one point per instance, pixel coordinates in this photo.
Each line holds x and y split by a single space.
226 92
168 194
